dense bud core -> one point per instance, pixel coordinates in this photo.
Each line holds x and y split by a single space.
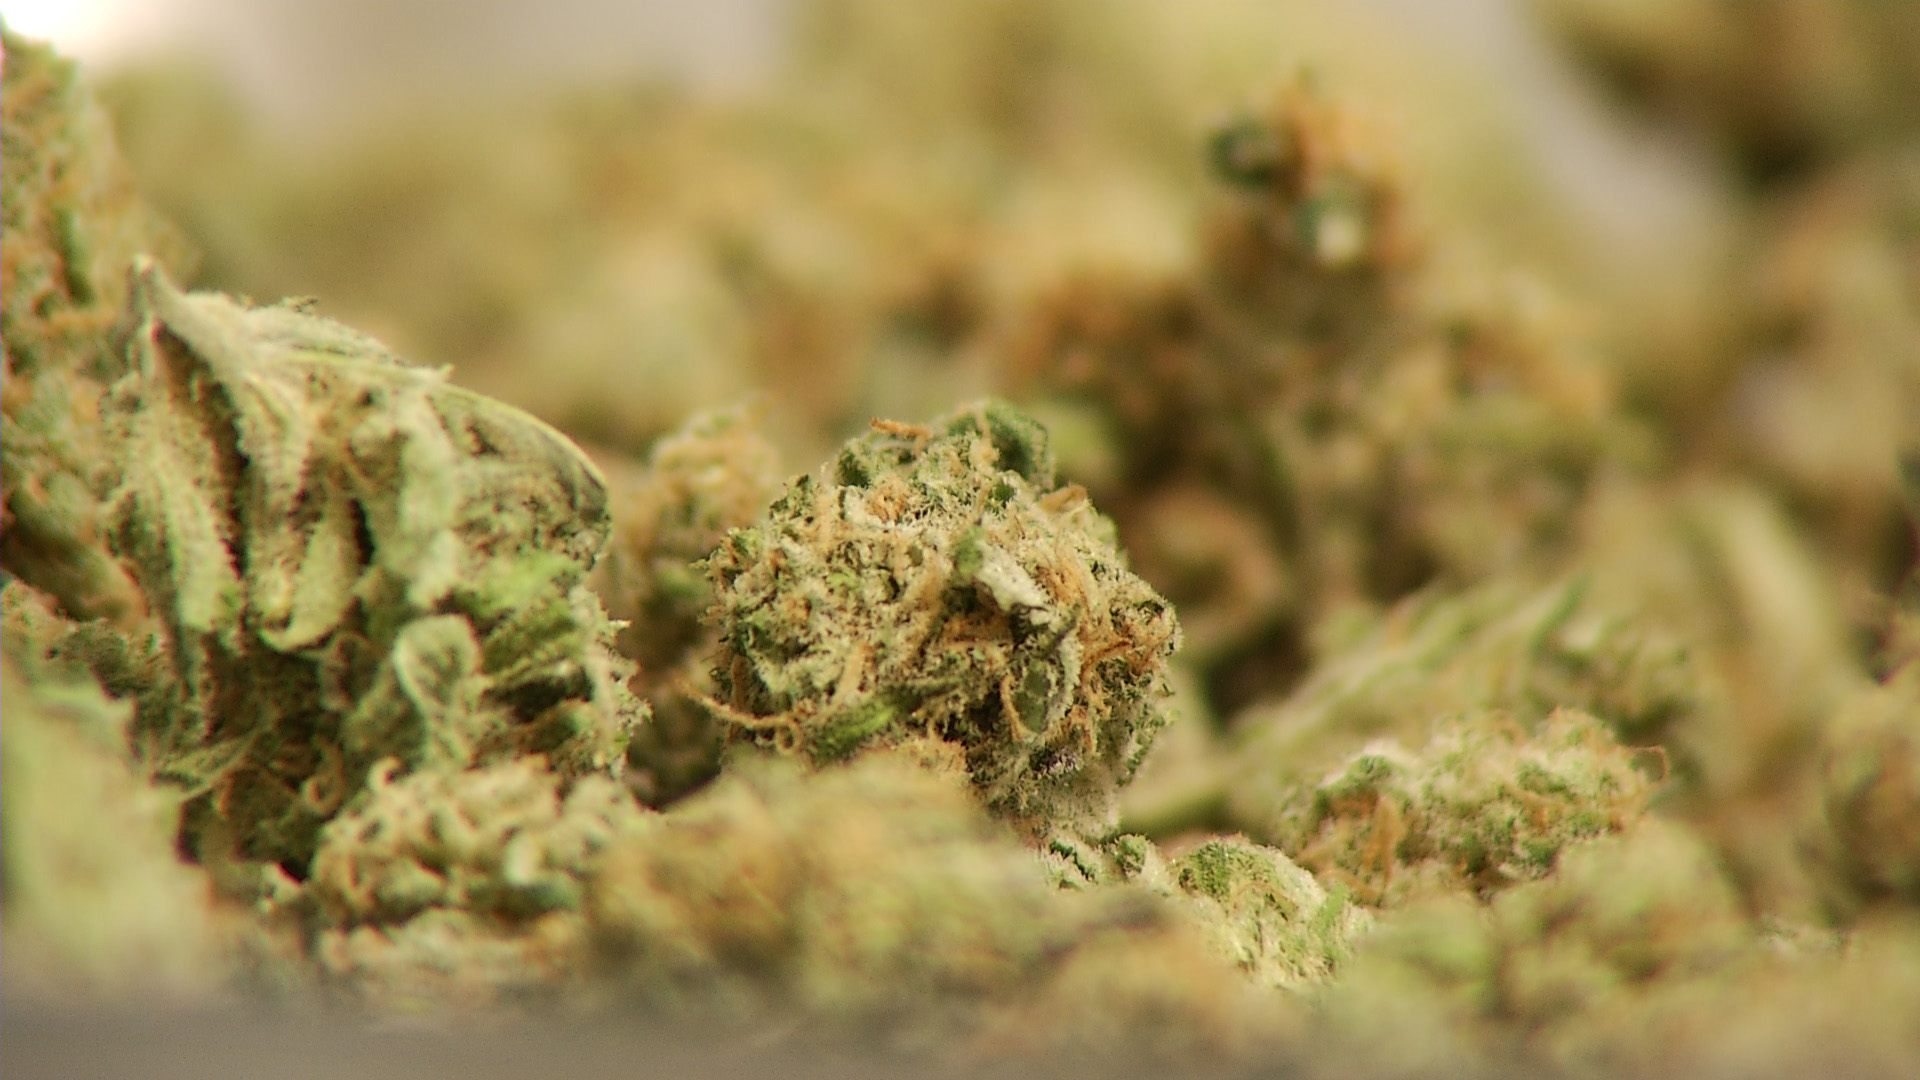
935 582
350 561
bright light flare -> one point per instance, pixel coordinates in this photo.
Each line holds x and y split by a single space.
89 30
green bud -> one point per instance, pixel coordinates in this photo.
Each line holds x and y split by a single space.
1862 839
1482 806
1317 417
878 897
1266 914
352 561
1552 968
97 901
501 842
71 222
935 582
717 473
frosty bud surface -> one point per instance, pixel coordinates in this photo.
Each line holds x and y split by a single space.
449 888
71 221
937 582
1483 805
1266 914
351 560
1252 906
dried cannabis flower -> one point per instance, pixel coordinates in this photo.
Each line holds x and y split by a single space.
96 900
936 582
1779 90
1865 840
879 891
716 474
1554 967
72 225
352 560
1255 908
1319 226
839 890
1317 415
879 894
1494 649
445 887
1266 914
498 840
1485 804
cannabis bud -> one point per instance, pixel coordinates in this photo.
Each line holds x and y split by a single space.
350 560
1864 842
935 583
1254 907
1320 194
444 886
715 474
1638 928
96 899
70 222
1484 805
